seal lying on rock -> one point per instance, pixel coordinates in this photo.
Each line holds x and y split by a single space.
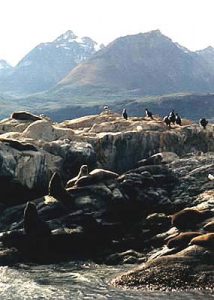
23 115
209 226
56 189
18 145
204 240
96 176
182 239
82 172
189 217
155 159
33 225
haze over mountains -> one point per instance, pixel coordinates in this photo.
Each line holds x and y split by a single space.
72 71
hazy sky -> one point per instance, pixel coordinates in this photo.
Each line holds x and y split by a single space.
26 23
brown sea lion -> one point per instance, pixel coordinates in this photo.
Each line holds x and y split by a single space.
204 240
18 145
189 217
209 226
33 225
82 172
96 176
56 189
182 239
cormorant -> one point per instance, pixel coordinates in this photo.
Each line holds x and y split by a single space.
106 107
172 117
124 114
177 119
149 113
203 122
167 121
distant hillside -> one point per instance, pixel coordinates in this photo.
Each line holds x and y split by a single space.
189 106
208 55
143 64
5 68
47 64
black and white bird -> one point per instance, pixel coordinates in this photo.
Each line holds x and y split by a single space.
210 177
167 121
124 114
203 122
149 113
106 107
172 116
177 119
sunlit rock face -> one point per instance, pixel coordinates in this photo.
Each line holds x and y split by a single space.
120 143
32 150
173 272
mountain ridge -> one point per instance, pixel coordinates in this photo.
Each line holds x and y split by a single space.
149 63
47 63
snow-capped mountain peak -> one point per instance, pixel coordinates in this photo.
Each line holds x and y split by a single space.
50 62
67 36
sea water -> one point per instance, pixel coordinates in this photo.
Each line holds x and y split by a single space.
76 280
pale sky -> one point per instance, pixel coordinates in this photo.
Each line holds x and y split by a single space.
26 23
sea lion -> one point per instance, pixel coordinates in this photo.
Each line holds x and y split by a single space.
33 225
182 239
204 240
155 159
56 189
18 145
23 115
209 226
189 217
82 172
96 176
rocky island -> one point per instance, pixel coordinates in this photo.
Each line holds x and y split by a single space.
111 190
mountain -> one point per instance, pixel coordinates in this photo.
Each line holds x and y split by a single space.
5 68
208 55
143 64
48 63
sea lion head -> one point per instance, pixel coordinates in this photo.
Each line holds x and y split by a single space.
55 187
30 210
83 171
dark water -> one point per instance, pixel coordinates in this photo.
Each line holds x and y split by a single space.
74 281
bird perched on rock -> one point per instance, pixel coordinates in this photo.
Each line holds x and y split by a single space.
177 119
124 114
172 116
167 121
149 113
203 122
106 108
210 177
